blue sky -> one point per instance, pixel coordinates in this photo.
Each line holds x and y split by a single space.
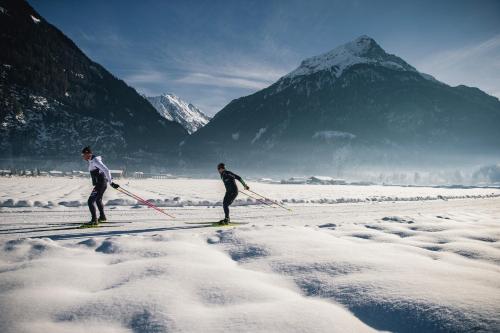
210 52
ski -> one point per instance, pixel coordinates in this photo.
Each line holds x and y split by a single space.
79 223
83 226
217 223
231 224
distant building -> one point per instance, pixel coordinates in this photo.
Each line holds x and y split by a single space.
116 173
362 183
161 176
141 175
294 180
322 180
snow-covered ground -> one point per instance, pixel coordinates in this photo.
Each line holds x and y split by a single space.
384 259
54 191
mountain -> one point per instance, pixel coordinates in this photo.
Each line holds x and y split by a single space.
55 100
355 105
175 109
363 50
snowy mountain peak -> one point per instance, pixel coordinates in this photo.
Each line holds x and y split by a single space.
362 45
175 109
362 50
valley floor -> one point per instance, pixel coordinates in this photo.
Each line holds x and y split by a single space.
345 259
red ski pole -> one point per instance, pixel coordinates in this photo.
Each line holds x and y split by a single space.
141 200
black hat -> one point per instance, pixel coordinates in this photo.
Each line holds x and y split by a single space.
86 150
221 166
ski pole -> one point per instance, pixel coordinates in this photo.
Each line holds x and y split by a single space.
258 199
141 200
273 201
135 196
147 203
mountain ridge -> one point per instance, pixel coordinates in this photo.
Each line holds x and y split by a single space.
366 110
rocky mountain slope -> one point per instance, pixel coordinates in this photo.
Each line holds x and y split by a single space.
54 99
175 109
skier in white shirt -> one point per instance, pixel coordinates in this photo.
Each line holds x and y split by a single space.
101 176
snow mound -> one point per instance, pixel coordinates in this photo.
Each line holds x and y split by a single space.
73 203
121 202
22 249
108 246
390 277
328 225
397 219
7 203
91 242
178 202
24 203
177 284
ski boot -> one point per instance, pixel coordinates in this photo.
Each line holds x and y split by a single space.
102 219
90 224
225 221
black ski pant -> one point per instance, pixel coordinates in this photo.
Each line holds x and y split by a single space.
228 200
95 199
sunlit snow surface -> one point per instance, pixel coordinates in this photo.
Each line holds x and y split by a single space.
406 265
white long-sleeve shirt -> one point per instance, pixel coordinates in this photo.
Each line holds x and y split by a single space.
96 163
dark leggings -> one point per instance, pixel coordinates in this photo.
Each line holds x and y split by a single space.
228 200
95 199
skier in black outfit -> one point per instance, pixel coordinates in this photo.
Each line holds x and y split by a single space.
100 177
231 189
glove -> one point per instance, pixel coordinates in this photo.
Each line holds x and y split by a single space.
114 185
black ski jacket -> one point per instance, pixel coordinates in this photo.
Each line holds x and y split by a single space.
229 180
